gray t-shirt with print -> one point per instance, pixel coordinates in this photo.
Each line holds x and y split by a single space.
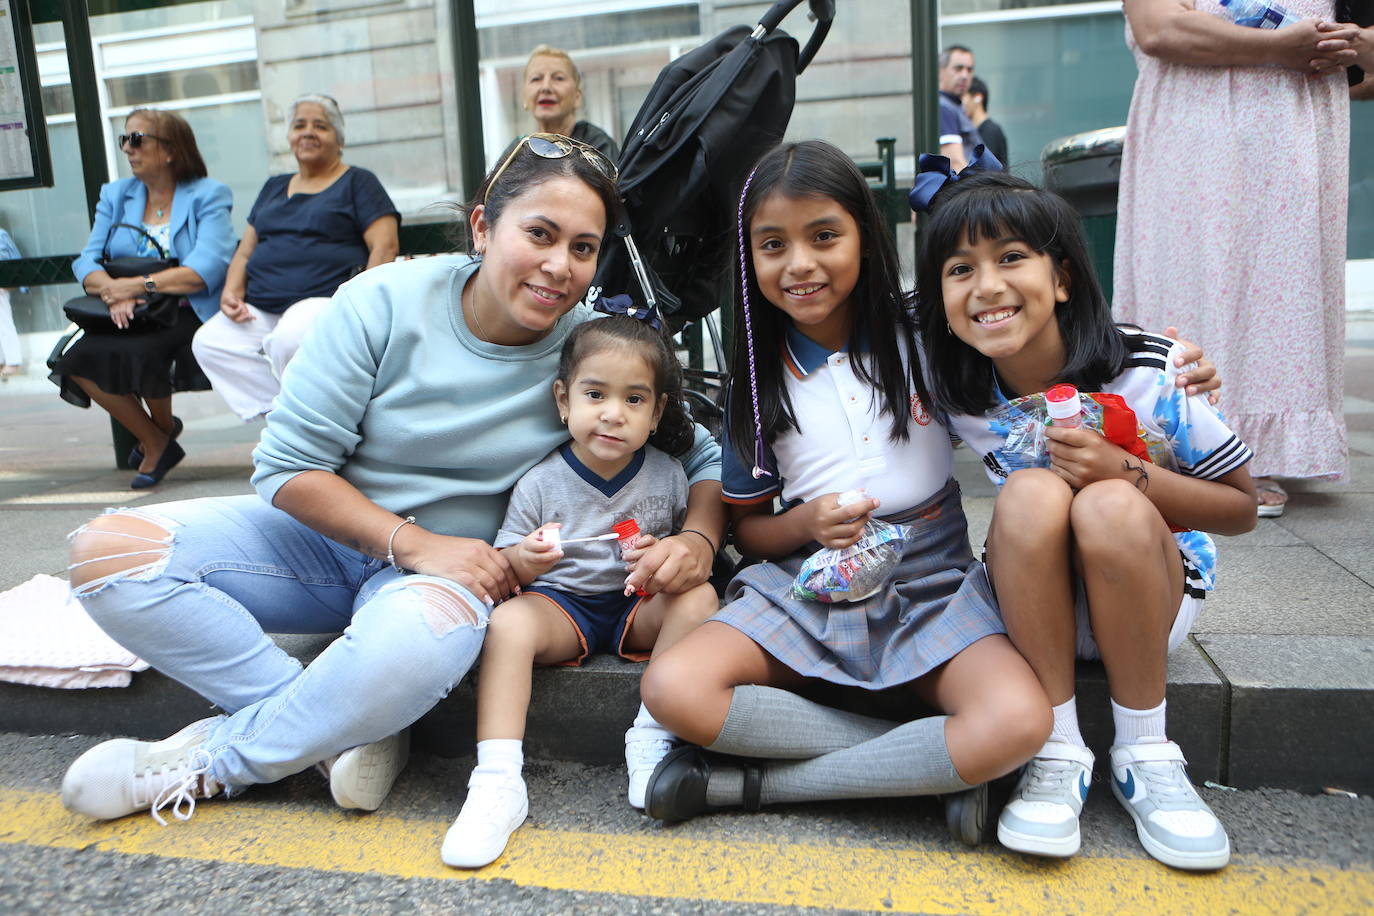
652 490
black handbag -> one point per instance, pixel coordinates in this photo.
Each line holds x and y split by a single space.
156 309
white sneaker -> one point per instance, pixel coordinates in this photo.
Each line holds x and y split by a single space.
120 777
362 776
1042 816
1173 823
645 746
496 805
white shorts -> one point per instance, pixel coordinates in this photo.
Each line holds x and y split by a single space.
1189 609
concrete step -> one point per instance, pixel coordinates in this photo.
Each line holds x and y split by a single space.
1248 711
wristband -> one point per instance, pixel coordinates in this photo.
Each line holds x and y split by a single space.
391 554
709 542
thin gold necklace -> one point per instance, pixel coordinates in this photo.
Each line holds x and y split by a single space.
481 334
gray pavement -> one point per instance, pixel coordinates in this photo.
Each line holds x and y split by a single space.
1274 688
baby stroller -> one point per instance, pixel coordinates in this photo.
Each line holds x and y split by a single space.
710 114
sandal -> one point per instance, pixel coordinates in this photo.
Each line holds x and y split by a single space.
1270 498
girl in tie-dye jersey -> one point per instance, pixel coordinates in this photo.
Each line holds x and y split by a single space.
1087 555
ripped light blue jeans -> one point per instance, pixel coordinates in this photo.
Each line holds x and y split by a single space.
198 604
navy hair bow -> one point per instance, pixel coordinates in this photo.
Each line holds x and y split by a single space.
934 172
624 305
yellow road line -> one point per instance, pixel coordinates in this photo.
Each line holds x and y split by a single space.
661 864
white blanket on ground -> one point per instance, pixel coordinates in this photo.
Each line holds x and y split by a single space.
47 639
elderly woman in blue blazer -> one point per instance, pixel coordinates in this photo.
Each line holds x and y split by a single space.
132 370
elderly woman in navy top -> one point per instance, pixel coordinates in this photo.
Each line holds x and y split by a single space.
132 371
307 233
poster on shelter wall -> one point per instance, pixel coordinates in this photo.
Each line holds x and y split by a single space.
24 159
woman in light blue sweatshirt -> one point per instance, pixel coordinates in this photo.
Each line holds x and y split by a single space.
413 406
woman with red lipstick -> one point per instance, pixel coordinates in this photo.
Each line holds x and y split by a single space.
552 93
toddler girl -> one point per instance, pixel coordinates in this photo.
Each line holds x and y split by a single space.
619 391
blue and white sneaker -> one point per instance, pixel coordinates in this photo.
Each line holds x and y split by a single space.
1042 816
1173 823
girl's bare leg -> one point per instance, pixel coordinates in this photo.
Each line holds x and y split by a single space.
525 631
522 632
1133 573
997 713
1031 567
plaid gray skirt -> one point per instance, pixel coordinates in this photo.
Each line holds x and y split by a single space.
937 603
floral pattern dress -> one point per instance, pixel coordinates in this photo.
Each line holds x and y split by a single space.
1232 227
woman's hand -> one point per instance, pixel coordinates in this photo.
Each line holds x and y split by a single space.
1203 377
1363 45
835 526
672 565
1083 456
1313 46
233 306
474 564
121 311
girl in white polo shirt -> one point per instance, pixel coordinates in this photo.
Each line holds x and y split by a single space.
829 397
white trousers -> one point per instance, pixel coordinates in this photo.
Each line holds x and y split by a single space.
10 354
244 361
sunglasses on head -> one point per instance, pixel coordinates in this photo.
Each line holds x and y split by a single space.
554 146
135 140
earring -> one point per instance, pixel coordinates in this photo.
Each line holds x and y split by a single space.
653 430
949 329
562 419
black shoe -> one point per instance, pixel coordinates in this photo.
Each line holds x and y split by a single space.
136 453
968 815
171 457
677 787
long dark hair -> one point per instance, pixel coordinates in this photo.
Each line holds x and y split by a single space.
675 432
999 205
882 319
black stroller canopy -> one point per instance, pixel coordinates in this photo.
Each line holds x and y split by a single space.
709 116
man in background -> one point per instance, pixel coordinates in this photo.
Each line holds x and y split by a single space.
958 136
976 107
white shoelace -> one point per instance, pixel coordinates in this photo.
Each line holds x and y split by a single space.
181 786
1047 776
1168 786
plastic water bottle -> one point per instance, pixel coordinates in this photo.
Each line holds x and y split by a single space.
1063 406
1257 14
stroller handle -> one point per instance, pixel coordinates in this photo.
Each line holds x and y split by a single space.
823 11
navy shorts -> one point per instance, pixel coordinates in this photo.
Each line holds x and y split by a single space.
601 620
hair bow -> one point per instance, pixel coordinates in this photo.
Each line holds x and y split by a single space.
624 305
934 172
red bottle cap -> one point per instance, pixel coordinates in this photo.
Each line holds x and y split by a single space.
1061 393
626 529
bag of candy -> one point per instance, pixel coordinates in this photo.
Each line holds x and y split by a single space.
855 572
1025 419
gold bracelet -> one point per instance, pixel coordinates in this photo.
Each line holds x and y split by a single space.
709 542
390 554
